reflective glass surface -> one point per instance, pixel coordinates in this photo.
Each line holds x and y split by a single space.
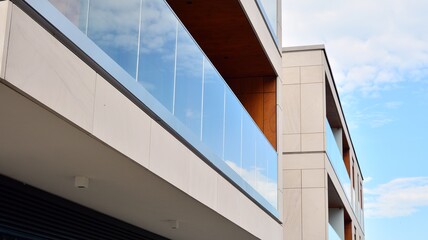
272 178
213 109
248 171
189 78
156 65
233 132
269 10
147 40
332 235
336 159
118 35
76 11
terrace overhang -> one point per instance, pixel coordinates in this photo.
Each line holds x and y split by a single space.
224 31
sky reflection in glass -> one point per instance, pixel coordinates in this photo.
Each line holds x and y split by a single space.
147 40
270 8
213 109
114 26
156 68
189 79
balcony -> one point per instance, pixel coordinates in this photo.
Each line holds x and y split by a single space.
332 235
149 52
228 32
336 159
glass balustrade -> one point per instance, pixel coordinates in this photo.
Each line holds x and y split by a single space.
269 10
160 57
332 234
336 159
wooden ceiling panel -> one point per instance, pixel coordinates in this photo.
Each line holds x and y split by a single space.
223 31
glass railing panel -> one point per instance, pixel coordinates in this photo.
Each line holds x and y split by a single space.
332 234
272 178
117 36
213 119
188 88
248 150
233 132
270 8
261 166
76 11
168 70
336 159
156 66
266 171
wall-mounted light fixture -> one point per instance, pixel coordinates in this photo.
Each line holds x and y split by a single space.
81 182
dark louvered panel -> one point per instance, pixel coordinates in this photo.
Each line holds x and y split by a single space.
32 212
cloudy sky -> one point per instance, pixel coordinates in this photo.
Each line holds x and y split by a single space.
378 52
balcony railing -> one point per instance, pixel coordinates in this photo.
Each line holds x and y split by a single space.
144 46
269 9
336 159
332 235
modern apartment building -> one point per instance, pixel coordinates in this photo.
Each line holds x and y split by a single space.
323 196
164 119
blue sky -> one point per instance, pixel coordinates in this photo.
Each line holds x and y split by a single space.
378 52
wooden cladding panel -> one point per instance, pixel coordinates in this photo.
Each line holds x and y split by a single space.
224 32
269 117
258 95
253 102
348 230
347 160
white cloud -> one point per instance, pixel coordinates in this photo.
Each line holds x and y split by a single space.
373 116
393 104
372 45
399 197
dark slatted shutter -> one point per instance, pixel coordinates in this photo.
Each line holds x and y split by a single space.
27 211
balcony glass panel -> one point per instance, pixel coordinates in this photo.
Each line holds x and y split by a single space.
272 176
188 89
248 150
213 109
156 66
233 132
266 171
269 10
117 36
261 165
336 160
152 54
332 235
